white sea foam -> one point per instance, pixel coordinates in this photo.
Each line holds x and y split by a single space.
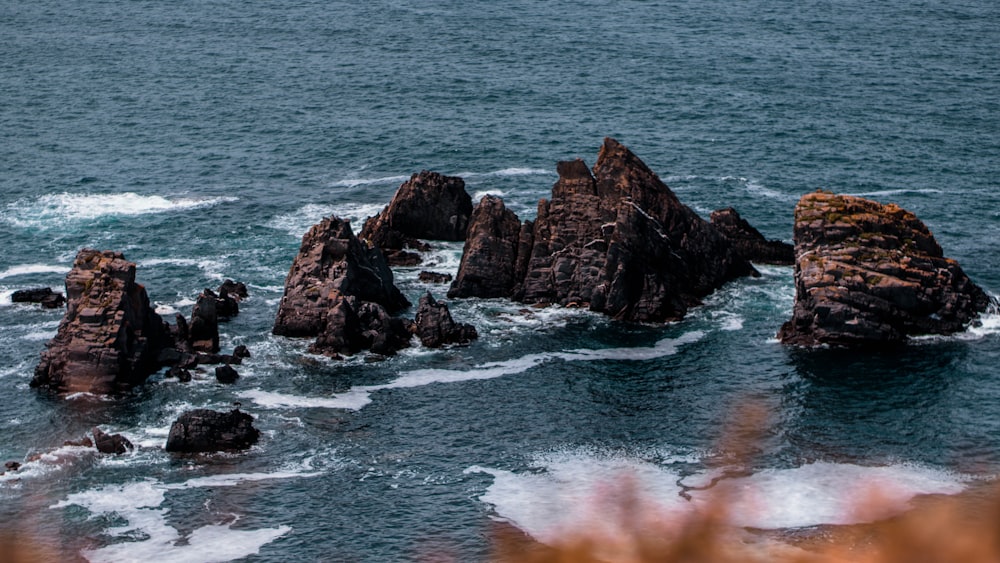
987 325
29 269
900 191
478 196
354 182
212 268
358 397
55 209
587 490
830 493
139 504
296 224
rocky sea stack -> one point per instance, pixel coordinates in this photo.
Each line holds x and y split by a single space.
615 239
427 206
867 273
205 430
110 338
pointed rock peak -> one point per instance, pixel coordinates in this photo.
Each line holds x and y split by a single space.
573 170
619 171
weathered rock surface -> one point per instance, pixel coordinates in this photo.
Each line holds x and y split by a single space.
434 277
749 242
226 374
111 443
490 253
614 239
205 430
203 331
427 206
341 292
41 295
435 326
867 273
110 337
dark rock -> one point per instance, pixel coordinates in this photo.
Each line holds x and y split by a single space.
110 337
241 352
180 373
435 327
111 443
332 262
490 254
872 274
226 374
355 325
237 290
204 328
227 305
433 277
12 465
205 430
749 242
42 295
402 258
427 206
620 242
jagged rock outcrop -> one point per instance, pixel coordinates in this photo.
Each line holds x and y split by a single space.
203 331
490 253
226 374
435 326
110 337
867 273
41 295
205 430
341 292
749 242
111 443
427 206
614 239
434 277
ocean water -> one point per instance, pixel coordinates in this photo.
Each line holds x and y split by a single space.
203 139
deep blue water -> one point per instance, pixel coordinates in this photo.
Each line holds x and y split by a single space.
203 139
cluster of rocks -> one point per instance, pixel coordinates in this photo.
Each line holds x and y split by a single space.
42 295
614 239
341 292
872 274
111 338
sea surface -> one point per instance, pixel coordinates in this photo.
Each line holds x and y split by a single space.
202 140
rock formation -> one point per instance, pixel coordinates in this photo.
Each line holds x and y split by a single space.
110 337
41 295
616 240
226 374
867 273
111 443
203 331
205 430
490 253
341 292
434 277
427 206
749 242
435 327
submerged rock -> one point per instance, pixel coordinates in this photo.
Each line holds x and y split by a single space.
205 430
436 328
749 242
867 273
434 277
110 337
41 295
226 374
427 206
614 239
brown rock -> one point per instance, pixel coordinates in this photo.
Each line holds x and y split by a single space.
867 273
434 277
620 242
205 430
331 263
749 242
427 206
111 443
490 253
435 327
42 295
110 338
203 332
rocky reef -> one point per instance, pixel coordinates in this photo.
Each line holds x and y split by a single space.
205 430
615 239
436 328
44 296
870 274
110 338
427 206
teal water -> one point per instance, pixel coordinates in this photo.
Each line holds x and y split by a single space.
203 139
